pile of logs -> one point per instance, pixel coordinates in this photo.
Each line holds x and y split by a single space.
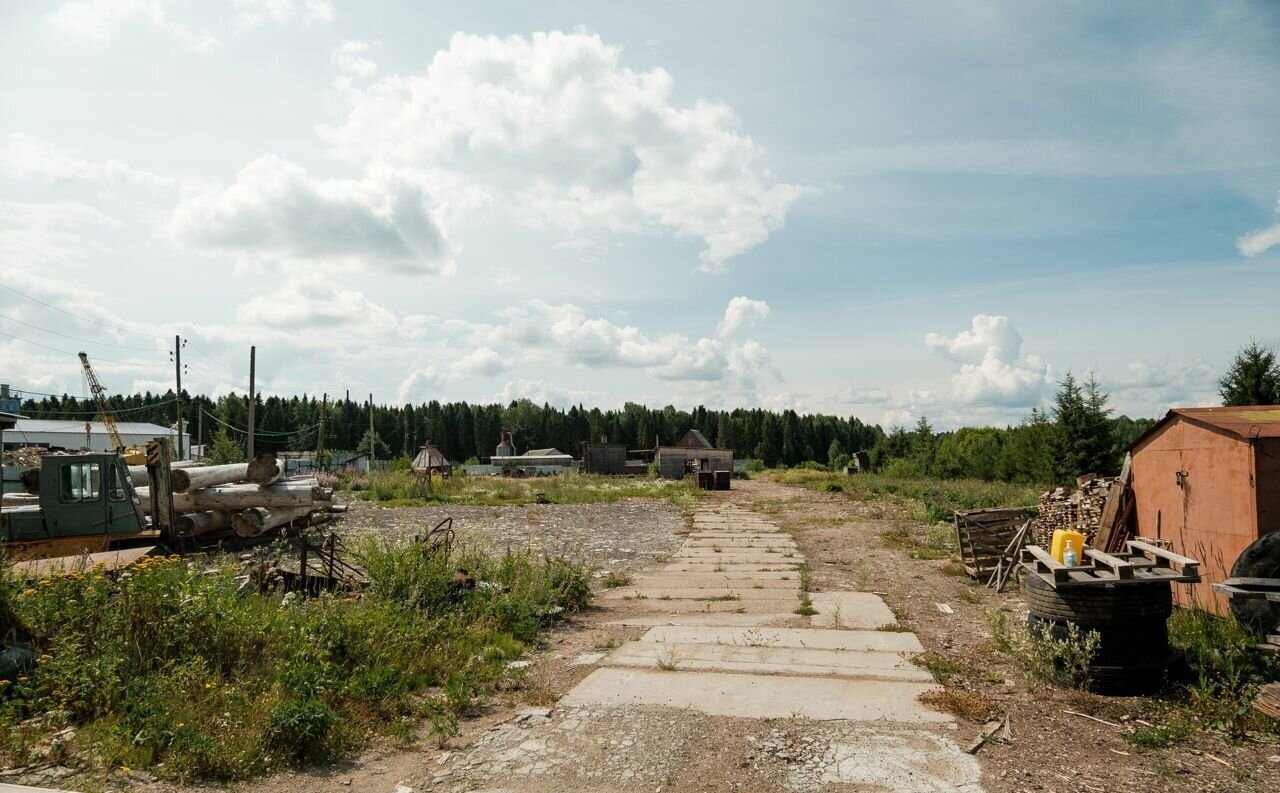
247 498
1081 510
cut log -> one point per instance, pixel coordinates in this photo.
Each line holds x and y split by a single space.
197 523
138 473
257 520
262 470
294 493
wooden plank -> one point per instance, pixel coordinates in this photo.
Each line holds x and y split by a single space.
1111 510
1261 583
1122 568
1161 553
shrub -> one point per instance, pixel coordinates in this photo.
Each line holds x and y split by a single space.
1225 671
1063 662
302 730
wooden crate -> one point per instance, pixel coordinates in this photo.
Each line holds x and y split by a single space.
983 534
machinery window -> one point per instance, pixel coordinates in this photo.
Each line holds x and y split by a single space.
81 482
115 488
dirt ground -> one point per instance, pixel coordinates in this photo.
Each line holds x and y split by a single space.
1050 749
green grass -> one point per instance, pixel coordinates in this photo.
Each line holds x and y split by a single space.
171 667
1225 673
402 488
615 580
923 499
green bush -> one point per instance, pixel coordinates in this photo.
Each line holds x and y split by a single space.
1226 671
302 730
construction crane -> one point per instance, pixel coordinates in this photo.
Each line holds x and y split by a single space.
133 455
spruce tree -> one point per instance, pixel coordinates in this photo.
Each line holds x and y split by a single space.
1253 377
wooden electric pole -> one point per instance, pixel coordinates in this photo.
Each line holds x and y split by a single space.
324 409
253 356
177 376
373 446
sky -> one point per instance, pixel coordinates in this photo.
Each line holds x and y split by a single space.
869 209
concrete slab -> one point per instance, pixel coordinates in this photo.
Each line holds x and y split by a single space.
737 543
725 592
783 619
758 696
779 603
849 610
711 565
785 578
739 555
878 641
786 661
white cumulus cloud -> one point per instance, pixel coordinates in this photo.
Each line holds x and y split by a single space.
480 362
352 59
1261 240
992 370
275 209
555 128
740 313
100 20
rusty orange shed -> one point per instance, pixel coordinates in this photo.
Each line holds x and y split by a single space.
1208 480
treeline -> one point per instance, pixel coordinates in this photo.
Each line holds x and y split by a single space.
1078 435
466 431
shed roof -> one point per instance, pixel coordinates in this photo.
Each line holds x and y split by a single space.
545 453
694 439
1246 422
72 427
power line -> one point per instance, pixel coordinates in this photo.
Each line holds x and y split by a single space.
212 359
77 338
77 316
257 432
67 352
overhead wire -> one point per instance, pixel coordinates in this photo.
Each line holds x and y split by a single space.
77 338
257 432
77 316
68 352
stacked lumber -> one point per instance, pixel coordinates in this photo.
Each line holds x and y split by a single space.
1268 701
248 499
1080 510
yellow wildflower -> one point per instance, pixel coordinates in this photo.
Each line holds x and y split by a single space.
28 592
124 769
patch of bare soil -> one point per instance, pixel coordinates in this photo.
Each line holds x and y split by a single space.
1050 749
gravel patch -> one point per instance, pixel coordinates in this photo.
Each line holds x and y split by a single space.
620 536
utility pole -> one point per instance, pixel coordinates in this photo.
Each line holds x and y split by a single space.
177 375
324 409
200 433
253 359
373 446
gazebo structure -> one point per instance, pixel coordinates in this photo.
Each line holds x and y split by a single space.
431 461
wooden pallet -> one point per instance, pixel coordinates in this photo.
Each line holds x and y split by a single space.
983 535
1139 563
1009 559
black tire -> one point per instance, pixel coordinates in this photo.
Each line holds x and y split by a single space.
1133 680
1135 643
1260 560
1098 606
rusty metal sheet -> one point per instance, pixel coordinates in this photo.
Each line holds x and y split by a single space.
110 560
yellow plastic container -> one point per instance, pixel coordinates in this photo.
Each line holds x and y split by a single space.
1062 538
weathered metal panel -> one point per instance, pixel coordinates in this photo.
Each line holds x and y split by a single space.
1267 481
1194 486
604 458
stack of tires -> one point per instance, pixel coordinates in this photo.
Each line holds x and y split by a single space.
1133 657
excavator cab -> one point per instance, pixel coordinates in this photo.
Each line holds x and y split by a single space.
87 502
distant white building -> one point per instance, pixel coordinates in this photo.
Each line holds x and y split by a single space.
90 435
